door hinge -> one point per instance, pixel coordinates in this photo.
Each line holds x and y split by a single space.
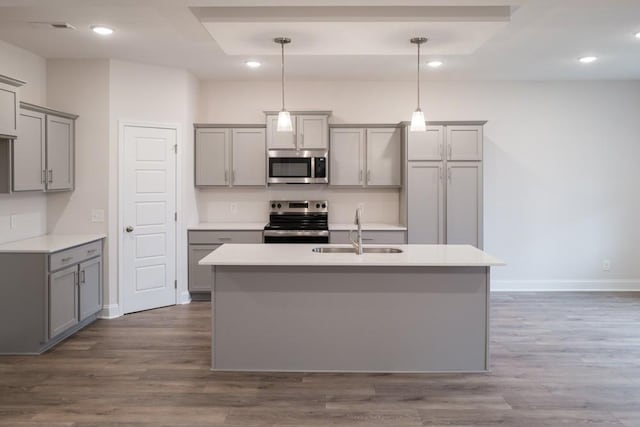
175 148
175 216
175 284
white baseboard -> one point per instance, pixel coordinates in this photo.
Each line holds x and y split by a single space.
110 312
184 298
565 285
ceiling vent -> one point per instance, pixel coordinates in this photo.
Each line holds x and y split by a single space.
56 25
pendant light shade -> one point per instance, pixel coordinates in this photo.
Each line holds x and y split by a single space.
284 118
418 123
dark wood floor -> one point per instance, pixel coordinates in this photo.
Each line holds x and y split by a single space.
557 360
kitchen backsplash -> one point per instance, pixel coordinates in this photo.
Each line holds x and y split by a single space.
251 204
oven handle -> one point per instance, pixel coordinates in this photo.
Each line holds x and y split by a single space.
280 233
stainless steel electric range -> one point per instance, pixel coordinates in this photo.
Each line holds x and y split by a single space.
297 221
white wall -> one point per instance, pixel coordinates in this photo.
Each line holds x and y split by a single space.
30 208
560 164
144 93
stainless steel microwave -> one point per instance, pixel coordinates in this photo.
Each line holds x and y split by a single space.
298 167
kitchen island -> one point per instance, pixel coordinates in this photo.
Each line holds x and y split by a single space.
286 307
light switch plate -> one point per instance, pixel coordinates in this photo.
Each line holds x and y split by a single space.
97 215
233 207
12 221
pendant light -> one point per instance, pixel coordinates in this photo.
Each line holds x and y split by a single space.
284 118
417 119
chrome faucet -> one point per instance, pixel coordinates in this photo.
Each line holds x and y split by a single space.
357 244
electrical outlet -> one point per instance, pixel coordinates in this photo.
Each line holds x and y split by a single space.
97 215
233 207
12 221
606 265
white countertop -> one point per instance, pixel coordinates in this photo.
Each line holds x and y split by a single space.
49 243
210 226
302 255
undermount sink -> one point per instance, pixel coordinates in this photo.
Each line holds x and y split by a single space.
374 250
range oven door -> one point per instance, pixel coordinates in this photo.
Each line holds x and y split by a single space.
297 167
295 236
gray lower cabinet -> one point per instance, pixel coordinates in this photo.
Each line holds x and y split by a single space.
51 296
377 237
203 242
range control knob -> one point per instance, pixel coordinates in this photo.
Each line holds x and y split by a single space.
324 205
273 205
317 205
279 205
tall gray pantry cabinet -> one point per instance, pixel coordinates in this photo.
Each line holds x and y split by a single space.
442 198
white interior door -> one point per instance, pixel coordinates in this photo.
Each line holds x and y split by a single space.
149 227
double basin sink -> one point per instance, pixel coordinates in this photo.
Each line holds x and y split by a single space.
373 250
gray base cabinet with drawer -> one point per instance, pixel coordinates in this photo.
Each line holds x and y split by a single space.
50 296
371 237
202 243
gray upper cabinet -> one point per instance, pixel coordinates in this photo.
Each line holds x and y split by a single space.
59 155
464 143
212 151
312 132
384 157
280 140
427 145
347 157
63 301
425 203
464 203
29 163
9 104
230 156
249 157
90 288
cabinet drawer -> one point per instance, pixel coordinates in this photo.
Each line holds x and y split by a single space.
75 255
371 237
218 237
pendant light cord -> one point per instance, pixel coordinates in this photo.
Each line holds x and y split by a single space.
418 75
282 62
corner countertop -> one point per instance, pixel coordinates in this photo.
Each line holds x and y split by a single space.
302 255
242 226
49 243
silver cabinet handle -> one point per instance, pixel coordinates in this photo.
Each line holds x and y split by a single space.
67 259
129 229
449 151
90 251
440 150
360 176
43 178
224 239
50 176
368 239
368 176
302 139
233 177
449 174
82 276
75 278
226 177
440 172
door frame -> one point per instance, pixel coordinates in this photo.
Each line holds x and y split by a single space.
122 124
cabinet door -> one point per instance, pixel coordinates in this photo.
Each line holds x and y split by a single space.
212 156
346 157
383 157
464 142
200 276
28 153
425 211
312 132
280 140
249 157
425 145
63 300
90 287
8 111
464 203
59 153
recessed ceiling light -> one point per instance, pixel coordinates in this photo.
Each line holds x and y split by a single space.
638 35
102 30
253 64
587 59
434 64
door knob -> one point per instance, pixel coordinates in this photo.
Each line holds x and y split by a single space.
129 229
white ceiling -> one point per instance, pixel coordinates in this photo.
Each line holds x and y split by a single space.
477 39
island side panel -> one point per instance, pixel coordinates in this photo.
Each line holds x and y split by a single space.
371 319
